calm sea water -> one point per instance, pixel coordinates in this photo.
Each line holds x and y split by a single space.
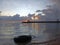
41 31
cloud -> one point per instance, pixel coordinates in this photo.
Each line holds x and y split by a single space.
56 2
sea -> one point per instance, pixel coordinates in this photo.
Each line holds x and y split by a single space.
40 32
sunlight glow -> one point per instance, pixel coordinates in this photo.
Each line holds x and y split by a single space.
43 14
36 13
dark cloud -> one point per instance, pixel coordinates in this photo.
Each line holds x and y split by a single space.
57 2
56 7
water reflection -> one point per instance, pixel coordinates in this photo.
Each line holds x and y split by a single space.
53 30
6 32
42 31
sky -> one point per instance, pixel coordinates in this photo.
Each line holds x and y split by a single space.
22 7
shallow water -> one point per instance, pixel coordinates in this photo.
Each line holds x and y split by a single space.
41 31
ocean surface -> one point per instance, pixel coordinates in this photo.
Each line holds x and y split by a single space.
41 31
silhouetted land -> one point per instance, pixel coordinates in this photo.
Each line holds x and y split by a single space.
42 22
